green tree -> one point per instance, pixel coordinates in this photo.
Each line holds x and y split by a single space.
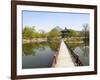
85 34
28 32
35 35
72 33
54 33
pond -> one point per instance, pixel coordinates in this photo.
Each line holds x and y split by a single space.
82 51
38 55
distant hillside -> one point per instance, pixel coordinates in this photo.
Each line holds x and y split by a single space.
57 28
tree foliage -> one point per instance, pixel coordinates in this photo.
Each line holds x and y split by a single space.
72 33
85 33
54 33
28 32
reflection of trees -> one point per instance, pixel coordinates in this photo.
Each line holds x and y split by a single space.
29 49
32 48
54 45
73 45
42 46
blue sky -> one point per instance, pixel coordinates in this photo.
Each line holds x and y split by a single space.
48 20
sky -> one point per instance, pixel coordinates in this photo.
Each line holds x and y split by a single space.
48 20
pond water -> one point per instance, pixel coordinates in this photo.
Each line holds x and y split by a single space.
38 55
82 51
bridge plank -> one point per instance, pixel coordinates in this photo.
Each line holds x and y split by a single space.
64 58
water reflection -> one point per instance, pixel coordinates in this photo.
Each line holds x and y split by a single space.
38 55
82 51
31 48
83 54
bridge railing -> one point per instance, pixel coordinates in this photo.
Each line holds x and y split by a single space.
76 57
54 59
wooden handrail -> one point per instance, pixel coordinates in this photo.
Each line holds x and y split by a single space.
55 59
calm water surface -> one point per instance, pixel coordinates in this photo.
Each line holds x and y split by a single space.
38 55
82 52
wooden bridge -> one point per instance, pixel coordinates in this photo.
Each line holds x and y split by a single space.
65 57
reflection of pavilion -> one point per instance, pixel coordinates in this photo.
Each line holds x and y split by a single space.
64 32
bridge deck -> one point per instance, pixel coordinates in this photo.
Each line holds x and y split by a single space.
64 58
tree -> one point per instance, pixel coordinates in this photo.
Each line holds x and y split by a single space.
28 32
85 33
53 34
72 33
